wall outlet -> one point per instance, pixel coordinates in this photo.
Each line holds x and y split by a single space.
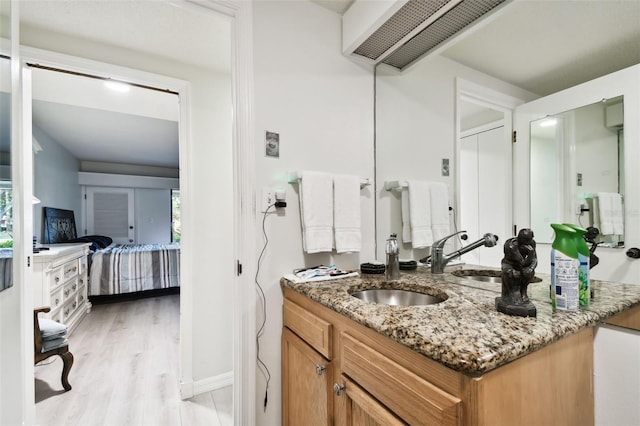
268 198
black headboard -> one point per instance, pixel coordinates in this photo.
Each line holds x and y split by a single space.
59 225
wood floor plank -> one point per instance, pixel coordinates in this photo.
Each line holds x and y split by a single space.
126 372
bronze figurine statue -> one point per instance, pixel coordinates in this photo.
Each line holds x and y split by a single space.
518 269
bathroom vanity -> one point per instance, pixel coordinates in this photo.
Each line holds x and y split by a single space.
347 361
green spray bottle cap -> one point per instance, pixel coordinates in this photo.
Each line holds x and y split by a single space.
581 244
564 241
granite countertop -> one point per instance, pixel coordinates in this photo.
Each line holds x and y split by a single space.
465 332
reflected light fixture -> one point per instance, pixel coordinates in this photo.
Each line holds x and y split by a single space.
117 86
548 122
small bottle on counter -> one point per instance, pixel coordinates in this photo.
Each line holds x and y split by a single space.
565 266
393 261
583 257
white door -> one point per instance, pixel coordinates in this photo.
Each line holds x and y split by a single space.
483 199
110 212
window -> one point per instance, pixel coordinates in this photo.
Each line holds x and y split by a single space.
175 215
6 213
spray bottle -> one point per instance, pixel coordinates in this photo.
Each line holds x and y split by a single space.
565 265
583 256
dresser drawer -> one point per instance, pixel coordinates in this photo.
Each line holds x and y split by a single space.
57 277
68 309
408 395
69 289
56 298
70 269
310 328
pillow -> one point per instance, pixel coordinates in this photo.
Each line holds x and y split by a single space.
51 329
48 345
97 241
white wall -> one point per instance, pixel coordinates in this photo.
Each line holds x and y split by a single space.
415 130
55 181
211 169
321 103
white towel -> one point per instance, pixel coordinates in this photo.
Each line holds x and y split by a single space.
346 213
316 211
617 214
420 214
610 213
406 220
440 226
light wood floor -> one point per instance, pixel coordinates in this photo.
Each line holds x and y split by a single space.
126 372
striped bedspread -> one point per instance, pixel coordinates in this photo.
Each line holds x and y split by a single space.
127 268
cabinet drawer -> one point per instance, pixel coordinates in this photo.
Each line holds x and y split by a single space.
56 298
409 396
68 309
312 329
70 269
69 289
57 277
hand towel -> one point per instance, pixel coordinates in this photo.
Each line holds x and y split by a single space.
346 213
607 212
420 214
617 214
440 226
316 211
406 221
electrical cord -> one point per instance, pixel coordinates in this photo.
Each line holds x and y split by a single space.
263 300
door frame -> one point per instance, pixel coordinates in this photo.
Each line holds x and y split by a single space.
244 344
467 91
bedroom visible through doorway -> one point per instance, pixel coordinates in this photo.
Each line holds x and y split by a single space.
111 160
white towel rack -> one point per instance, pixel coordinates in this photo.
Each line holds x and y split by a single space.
396 184
296 177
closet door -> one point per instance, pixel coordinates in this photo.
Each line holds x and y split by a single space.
483 200
110 212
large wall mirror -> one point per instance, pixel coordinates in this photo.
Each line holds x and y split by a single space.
577 171
420 121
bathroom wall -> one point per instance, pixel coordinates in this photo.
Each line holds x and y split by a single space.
321 103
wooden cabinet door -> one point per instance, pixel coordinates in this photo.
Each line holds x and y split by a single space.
307 397
361 409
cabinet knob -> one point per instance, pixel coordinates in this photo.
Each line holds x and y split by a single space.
633 253
320 369
57 279
338 389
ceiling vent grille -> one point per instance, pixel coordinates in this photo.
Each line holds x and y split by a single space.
424 24
406 19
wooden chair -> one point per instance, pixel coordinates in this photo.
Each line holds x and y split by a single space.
51 340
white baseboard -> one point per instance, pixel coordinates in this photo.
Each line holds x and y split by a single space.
209 384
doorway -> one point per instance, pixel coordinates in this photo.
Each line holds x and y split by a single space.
222 168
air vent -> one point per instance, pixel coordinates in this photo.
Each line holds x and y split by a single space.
423 25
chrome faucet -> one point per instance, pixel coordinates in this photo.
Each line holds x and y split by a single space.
439 260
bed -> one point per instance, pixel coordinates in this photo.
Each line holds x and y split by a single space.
130 268
116 269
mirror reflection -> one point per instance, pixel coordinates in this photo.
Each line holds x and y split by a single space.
576 171
6 210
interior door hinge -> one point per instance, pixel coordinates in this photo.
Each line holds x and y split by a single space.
238 268
28 261
515 230
514 137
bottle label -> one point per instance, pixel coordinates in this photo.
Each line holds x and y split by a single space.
583 279
565 284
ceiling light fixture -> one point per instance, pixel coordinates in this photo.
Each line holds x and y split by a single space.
117 86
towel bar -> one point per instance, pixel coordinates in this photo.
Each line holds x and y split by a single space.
395 184
296 177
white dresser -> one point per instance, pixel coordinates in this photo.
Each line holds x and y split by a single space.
60 282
